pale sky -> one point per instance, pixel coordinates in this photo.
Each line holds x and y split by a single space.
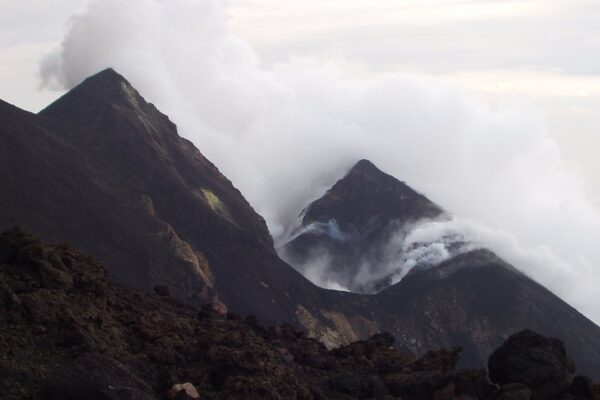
544 55
541 55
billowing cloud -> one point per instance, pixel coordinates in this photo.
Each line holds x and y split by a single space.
285 133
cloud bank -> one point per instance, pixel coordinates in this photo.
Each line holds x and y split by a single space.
284 134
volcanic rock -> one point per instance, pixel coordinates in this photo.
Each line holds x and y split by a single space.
99 340
95 339
94 377
460 296
583 387
512 391
535 361
183 391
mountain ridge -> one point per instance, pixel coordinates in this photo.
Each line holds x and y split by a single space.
446 292
122 185
152 208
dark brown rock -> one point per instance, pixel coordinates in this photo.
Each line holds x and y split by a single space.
162 290
94 377
8 297
583 387
512 391
473 382
99 340
442 360
183 391
358 386
531 359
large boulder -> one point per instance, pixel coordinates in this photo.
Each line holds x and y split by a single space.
538 362
583 387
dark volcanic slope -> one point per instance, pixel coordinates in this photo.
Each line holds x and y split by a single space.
193 208
105 170
367 196
473 299
353 222
66 333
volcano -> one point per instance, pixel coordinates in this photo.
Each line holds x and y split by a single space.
428 291
105 170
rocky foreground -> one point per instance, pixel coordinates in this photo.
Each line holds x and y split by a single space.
67 333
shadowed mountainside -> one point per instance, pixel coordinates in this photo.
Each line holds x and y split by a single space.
104 169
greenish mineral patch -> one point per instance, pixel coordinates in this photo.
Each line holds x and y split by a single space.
215 203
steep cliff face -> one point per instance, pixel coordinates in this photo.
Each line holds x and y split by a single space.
104 169
53 187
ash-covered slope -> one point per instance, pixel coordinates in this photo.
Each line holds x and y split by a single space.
451 293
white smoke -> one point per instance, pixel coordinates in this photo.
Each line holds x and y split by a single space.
422 244
426 243
285 134
317 269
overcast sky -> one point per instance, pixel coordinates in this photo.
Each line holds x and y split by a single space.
489 107
541 54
